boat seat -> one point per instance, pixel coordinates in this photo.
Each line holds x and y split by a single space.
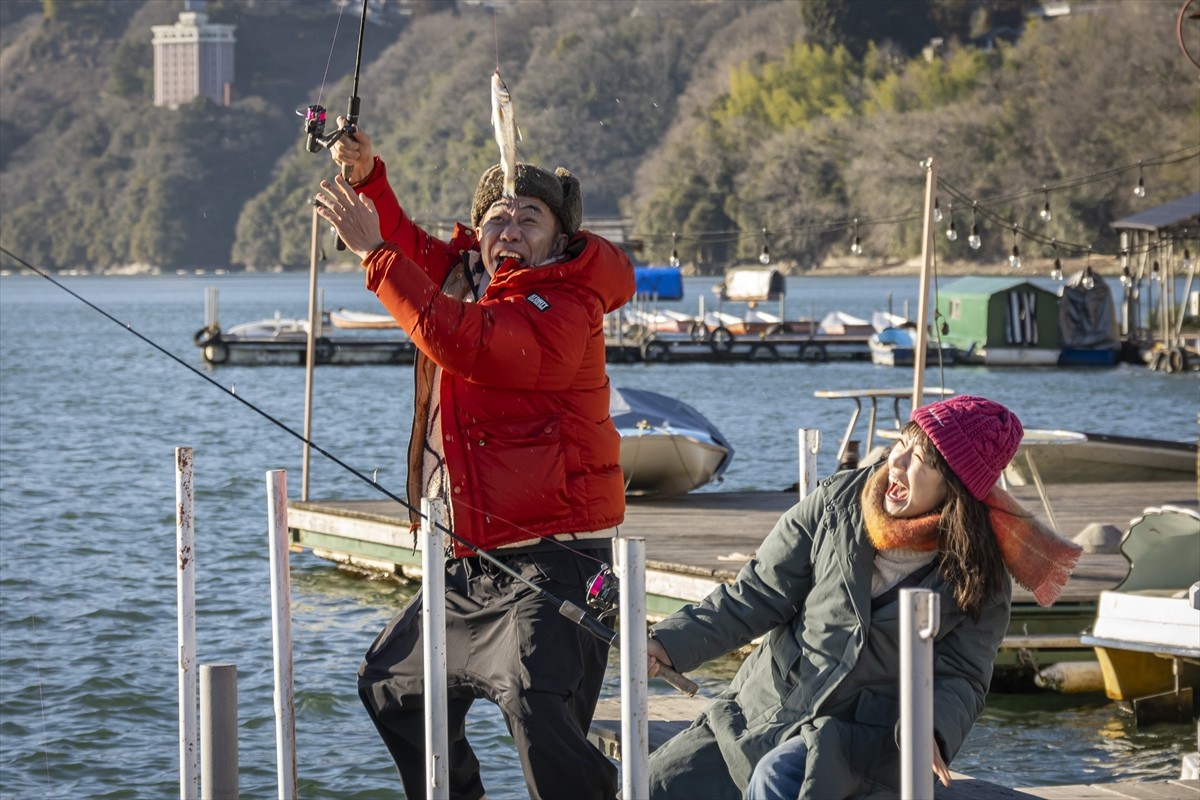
1163 549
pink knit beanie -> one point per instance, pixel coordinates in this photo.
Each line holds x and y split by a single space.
976 436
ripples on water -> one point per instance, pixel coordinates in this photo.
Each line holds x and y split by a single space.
89 420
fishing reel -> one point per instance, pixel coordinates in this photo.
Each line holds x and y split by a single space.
314 129
602 591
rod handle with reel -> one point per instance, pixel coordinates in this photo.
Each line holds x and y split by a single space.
602 632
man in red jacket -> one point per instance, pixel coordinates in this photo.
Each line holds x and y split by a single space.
511 428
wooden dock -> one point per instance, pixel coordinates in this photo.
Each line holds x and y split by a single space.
697 541
669 714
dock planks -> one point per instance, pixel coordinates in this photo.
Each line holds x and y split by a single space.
699 539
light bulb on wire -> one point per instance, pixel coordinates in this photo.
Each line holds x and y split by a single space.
1089 278
1126 276
764 257
1014 259
952 231
937 210
973 240
674 250
1045 213
1155 272
856 244
1056 271
1140 189
1188 264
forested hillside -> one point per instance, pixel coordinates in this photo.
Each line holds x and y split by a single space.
703 121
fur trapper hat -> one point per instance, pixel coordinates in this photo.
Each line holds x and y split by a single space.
559 191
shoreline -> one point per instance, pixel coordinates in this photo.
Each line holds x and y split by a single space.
833 268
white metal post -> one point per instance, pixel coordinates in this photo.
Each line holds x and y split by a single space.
310 348
630 568
920 615
281 634
810 445
185 609
218 732
433 623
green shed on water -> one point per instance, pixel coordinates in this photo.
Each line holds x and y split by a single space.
1000 321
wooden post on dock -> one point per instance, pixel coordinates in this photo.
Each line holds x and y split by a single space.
920 612
810 445
433 622
922 332
185 609
635 735
281 634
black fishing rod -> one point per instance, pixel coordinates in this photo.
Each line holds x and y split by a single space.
314 115
600 589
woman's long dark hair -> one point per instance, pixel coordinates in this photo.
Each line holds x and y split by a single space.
971 561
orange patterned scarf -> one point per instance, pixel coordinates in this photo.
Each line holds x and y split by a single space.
1036 557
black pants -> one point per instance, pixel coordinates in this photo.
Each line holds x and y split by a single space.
507 644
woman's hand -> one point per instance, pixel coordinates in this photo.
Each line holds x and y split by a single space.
656 655
939 766
352 215
356 153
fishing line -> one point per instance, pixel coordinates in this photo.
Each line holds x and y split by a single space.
568 609
329 60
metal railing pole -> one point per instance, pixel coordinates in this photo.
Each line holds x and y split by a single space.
185 609
218 732
433 623
810 445
635 735
920 614
281 634
310 349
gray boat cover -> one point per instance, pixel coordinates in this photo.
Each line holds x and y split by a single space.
1086 317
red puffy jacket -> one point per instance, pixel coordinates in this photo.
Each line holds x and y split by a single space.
530 448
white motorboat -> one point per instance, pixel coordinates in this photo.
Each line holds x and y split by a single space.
667 447
361 320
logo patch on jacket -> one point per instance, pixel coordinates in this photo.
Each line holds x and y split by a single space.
538 301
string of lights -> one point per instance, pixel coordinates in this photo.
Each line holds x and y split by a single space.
984 209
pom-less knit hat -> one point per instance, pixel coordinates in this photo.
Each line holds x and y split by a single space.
558 190
976 436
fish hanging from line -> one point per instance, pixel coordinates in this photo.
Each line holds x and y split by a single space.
504 123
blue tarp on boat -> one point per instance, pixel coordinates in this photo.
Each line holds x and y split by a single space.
663 283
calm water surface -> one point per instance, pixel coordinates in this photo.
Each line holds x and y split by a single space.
89 420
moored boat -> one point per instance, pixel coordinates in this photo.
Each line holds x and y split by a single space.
1147 630
361 320
667 446
896 347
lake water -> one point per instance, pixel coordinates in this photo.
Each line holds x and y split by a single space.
89 420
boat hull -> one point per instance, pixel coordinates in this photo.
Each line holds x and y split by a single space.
666 463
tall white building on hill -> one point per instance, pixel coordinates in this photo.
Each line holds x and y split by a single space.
192 57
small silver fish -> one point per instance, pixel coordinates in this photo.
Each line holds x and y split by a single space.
504 123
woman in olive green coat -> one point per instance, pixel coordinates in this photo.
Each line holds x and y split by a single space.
815 707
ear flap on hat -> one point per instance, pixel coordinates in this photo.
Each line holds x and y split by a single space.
571 214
